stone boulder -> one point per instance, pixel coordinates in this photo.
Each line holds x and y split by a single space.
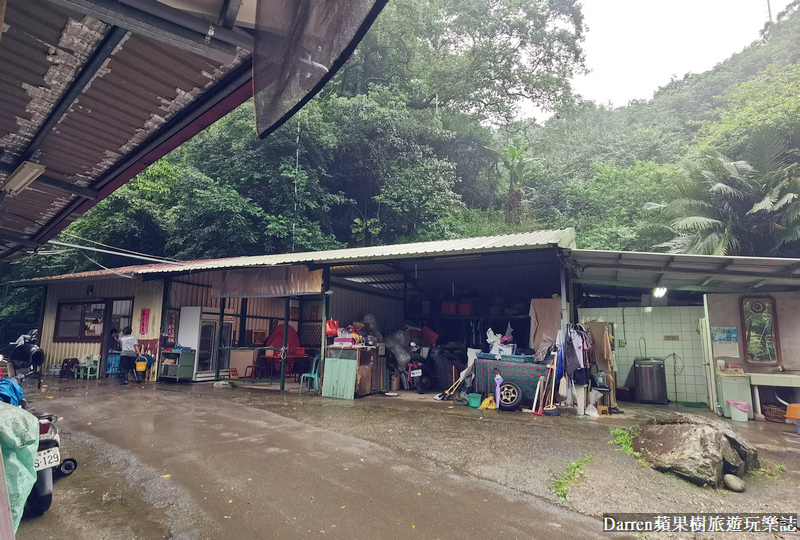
701 450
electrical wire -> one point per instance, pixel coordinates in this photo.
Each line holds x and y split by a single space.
120 274
119 248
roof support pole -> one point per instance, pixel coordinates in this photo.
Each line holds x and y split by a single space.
220 337
93 64
564 308
285 347
326 284
229 12
242 323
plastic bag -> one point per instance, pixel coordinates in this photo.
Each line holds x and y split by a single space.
488 403
595 396
19 439
331 328
591 410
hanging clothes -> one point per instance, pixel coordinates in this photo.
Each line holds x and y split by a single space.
573 351
601 349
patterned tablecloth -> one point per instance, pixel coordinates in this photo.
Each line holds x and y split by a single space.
526 375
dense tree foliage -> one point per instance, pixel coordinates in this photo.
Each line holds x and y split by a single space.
418 138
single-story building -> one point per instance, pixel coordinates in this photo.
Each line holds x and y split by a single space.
690 314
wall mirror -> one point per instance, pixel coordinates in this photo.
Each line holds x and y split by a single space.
760 331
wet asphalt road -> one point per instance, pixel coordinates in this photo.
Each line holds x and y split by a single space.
172 464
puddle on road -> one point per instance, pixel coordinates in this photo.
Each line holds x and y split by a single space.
94 503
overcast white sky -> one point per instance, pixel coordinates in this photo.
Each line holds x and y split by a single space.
635 46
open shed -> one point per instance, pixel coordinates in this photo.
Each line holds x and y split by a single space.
692 317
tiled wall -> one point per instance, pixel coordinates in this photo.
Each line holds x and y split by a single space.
653 326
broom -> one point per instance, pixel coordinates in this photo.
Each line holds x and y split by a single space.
552 410
534 412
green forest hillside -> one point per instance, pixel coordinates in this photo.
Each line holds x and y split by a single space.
416 138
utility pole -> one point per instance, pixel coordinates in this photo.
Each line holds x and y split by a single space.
769 11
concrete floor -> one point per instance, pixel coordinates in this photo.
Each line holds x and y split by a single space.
192 461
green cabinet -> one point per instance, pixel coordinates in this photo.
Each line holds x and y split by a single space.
177 364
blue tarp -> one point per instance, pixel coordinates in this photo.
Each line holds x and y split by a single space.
10 392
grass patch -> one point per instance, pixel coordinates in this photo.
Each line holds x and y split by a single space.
769 470
624 438
572 476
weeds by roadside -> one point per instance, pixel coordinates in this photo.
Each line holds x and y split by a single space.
769 470
573 475
624 438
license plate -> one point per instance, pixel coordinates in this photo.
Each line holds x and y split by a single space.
416 373
47 458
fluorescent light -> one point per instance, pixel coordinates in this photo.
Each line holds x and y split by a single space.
659 292
22 177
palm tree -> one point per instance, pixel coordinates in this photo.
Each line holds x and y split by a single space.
518 172
727 207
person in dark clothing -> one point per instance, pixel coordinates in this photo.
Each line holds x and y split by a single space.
130 352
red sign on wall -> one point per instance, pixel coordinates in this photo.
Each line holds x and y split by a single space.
172 327
144 322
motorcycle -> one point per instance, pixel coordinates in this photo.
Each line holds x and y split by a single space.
423 368
25 360
25 354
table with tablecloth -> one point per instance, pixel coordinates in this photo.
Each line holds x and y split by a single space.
525 374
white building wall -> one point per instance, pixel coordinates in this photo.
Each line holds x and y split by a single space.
645 336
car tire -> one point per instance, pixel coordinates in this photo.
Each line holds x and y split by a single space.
510 396
37 505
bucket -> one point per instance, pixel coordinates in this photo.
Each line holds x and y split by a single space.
141 366
475 400
739 410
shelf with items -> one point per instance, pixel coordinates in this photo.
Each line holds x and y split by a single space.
440 316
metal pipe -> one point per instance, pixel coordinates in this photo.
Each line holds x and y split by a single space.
119 254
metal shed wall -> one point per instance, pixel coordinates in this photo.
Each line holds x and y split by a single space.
145 294
347 306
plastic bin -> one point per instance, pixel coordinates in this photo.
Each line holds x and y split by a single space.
740 410
141 366
475 400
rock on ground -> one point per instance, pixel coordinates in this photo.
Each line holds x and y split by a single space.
701 450
733 483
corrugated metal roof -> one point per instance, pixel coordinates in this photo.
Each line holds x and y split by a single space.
139 88
563 238
97 91
684 272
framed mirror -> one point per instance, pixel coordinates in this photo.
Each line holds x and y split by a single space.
760 331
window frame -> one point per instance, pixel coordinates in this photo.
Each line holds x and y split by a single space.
81 337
